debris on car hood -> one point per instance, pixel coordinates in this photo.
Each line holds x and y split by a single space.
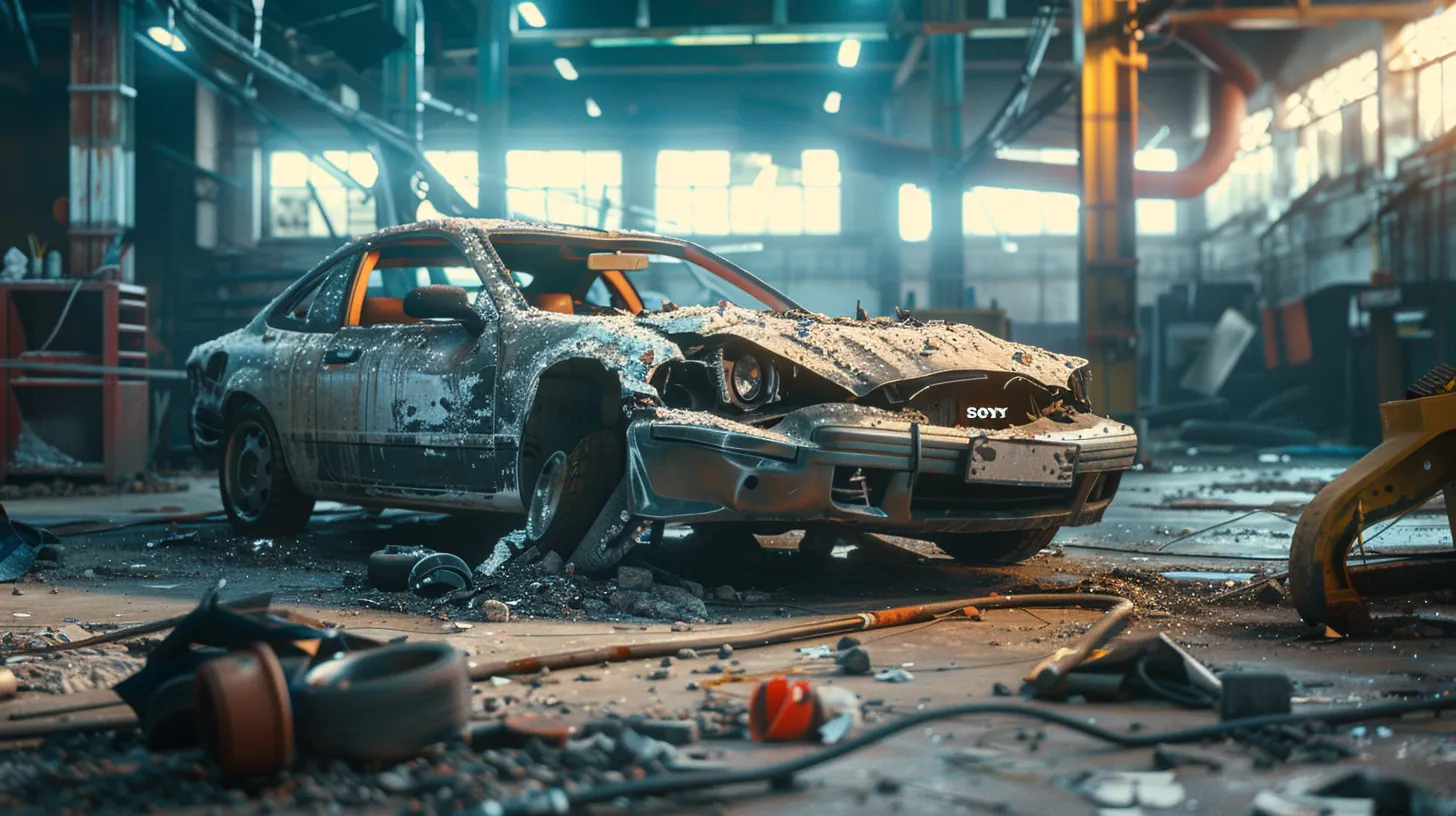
863 355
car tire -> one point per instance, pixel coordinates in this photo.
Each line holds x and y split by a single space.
384 704
571 491
389 569
998 549
610 537
258 492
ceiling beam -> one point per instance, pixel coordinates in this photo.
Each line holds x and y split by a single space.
976 68
909 63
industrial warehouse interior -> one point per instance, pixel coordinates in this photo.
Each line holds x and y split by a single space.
727 406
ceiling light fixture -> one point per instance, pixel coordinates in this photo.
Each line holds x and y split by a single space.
566 69
167 38
532 15
849 53
831 102
592 108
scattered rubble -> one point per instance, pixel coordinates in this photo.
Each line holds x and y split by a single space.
634 578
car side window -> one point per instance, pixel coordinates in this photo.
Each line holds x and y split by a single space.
319 307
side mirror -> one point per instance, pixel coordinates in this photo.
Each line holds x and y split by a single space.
444 302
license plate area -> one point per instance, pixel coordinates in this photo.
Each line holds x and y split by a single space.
1021 462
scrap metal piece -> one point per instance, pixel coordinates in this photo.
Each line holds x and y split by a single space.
1225 347
440 574
1253 694
244 717
17 554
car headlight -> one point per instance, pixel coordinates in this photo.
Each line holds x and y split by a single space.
747 378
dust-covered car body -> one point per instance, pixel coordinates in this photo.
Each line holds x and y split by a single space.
724 413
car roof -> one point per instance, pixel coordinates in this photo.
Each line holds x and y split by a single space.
497 225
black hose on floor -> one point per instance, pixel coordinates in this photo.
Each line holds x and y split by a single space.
557 800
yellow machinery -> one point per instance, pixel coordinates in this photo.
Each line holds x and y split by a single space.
1415 461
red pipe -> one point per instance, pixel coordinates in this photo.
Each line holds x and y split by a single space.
1226 116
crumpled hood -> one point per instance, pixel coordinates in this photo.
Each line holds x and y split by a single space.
864 355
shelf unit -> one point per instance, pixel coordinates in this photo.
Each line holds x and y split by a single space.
58 421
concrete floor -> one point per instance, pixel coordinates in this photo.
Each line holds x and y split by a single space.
965 765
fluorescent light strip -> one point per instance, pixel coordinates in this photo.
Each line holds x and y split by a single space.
831 102
566 69
532 15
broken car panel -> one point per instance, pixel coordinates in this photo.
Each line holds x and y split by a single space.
468 365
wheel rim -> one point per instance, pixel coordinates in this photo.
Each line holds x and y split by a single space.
546 497
250 471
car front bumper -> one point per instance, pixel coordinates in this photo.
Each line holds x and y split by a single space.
850 465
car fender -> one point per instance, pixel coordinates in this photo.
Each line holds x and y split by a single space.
533 343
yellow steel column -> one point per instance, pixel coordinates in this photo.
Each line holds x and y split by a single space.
1107 48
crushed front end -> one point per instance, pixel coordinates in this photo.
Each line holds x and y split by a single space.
864 466
894 426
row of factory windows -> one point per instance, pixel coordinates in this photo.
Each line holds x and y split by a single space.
1001 211
698 192
1331 126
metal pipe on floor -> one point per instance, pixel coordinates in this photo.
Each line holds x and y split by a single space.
1046 674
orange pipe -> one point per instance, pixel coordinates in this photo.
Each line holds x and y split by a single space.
1226 117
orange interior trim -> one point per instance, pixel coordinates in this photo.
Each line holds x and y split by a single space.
361 285
559 302
385 311
615 279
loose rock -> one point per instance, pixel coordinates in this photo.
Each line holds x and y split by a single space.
855 661
690 608
634 578
642 604
495 611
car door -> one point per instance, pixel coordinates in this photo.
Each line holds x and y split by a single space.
423 390
299 330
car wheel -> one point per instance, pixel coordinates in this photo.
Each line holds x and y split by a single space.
1000 548
611 536
571 491
257 489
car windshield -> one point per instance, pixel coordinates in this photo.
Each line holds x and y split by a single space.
553 274
684 283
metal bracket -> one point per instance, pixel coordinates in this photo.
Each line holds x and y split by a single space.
88 87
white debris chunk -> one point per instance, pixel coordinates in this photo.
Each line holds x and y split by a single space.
507 547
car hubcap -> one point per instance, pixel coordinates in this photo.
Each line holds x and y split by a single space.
251 475
547 496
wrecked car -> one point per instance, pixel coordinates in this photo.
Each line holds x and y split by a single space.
521 368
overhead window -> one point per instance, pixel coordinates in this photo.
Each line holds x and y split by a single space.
1317 113
715 192
582 187
459 167
991 211
331 207
1157 216
578 187
914 213
1248 184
